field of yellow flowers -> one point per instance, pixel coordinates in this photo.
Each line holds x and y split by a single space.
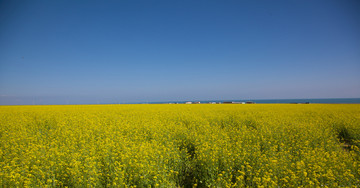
178 145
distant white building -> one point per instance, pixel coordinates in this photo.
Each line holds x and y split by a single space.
233 102
238 102
188 102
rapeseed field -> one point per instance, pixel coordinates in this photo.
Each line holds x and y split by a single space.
178 145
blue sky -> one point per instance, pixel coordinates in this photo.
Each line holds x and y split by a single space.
60 52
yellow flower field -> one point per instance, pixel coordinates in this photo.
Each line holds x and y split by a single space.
178 145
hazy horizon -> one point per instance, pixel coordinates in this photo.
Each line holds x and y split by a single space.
83 100
73 52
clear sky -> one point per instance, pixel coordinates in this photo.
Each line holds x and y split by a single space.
66 51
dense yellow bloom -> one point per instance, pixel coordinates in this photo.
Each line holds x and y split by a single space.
262 145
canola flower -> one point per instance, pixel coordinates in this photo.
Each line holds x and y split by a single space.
262 145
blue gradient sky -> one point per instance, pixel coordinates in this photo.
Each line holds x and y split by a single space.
60 52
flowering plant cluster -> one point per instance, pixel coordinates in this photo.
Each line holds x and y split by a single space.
175 145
